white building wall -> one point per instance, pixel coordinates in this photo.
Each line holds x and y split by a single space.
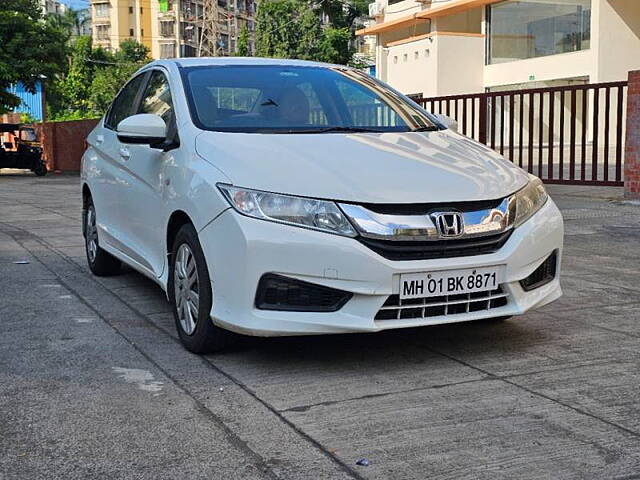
441 64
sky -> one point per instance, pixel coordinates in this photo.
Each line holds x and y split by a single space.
77 4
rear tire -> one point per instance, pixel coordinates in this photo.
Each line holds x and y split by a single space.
191 297
100 262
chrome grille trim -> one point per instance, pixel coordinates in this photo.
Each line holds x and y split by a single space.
403 227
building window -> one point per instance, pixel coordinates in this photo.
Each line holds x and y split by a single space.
140 10
142 32
102 32
131 32
167 50
167 29
395 59
102 10
519 30
131 10
416 55
405 57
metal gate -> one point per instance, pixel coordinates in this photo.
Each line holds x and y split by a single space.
571 134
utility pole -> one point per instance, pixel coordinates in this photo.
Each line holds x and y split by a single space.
208 42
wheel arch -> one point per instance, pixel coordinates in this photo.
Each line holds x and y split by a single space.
175 223
86 194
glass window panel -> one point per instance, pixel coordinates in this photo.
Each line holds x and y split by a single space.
122 106
521 29
157 97
274 98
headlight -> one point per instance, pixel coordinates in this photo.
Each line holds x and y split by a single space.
299 211
529 200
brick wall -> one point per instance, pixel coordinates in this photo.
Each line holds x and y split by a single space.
632 155
63 143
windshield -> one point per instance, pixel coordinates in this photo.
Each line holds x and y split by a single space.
296 99
28 135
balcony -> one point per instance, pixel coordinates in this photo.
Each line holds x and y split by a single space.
102 21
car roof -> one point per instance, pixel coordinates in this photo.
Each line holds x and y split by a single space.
227 61
9 127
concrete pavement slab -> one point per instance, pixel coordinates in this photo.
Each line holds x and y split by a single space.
547 395
478 430
78 402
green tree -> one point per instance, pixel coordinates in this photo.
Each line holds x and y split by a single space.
310 36
76 19
293 29
29 49
334 46
109 77
71 21
277 30
76 86
94 78
133 52
243 42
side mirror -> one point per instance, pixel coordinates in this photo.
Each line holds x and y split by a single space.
144 128
447 121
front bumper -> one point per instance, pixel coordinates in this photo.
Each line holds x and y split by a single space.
239 250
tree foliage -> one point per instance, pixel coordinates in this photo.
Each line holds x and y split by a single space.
243 42
94 78
70 21
30 49
295 29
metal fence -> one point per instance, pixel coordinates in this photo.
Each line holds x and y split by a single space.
571 134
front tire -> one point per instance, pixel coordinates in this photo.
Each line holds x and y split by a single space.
100 262
41 170
191 296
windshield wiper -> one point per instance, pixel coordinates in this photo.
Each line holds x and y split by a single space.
337 129
431 128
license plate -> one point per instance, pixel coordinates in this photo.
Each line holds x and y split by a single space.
450 282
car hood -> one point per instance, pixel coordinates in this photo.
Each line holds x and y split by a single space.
412 167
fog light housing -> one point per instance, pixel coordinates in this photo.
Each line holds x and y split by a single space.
276 292
542 275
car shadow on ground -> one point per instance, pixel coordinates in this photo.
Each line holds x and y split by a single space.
411 345
414 345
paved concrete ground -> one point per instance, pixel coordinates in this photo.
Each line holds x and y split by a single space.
93 383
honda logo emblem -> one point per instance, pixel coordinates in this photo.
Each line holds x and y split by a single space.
449 224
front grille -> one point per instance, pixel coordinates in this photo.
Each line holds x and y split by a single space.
445 305
426 208
463 247
276 292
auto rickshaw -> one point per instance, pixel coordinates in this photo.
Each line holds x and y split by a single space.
20 148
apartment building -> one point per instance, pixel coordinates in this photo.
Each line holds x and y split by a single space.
446 47
172 28
52 7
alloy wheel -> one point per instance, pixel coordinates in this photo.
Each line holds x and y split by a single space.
186 288
91 234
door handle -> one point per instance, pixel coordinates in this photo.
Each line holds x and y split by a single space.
124 153
99 139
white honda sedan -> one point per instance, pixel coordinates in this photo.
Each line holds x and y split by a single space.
277 197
